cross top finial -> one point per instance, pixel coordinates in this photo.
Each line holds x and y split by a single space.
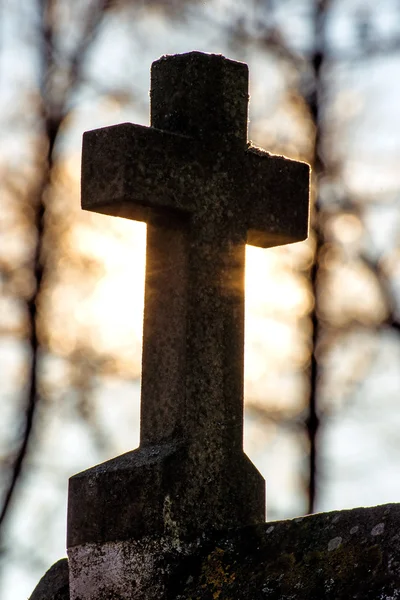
201 95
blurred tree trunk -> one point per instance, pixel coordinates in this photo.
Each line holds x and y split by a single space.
52 111
314 100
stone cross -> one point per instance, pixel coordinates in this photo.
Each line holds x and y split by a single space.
204 193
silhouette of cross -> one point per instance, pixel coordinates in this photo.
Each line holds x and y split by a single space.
204 193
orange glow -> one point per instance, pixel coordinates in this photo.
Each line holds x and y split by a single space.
98 289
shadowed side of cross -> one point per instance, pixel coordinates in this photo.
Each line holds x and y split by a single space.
204 193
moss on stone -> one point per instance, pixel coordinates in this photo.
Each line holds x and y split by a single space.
334 556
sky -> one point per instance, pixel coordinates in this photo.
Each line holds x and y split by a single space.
360 450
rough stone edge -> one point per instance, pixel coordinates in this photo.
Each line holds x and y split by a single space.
332 556
54 584
340 555
218 565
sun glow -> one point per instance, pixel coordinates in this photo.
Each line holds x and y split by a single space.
98 289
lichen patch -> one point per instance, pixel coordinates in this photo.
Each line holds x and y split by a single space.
334 543
378 529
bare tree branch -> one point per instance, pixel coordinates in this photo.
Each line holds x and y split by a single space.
314 103
53 115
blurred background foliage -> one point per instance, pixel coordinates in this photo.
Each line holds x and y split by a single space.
322 359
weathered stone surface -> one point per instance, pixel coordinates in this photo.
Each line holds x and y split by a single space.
204 192
146 492
54 585
342 555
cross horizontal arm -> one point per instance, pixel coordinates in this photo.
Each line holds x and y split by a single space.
141 172
278 191
129 169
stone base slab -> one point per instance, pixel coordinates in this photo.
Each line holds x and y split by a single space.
342 555
157 491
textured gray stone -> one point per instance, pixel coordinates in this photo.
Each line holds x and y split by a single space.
54 584
342 555
204 192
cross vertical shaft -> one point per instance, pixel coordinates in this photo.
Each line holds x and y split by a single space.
163 373
194 297
193 339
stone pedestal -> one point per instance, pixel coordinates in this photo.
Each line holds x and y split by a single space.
342 555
